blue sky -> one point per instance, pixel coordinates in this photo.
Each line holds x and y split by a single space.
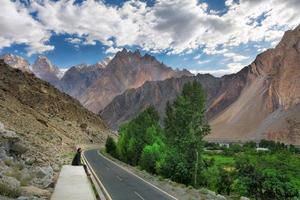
206 36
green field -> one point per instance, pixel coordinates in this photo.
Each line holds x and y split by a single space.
279 168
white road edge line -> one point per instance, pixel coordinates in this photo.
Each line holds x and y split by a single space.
96 177
119 178
137 176
137 194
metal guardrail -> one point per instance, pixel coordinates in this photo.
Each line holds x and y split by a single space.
101 190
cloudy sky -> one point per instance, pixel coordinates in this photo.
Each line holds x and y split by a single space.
214 36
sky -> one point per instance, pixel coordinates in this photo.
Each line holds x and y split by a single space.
203 36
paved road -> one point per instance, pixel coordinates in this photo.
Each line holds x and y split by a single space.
120 184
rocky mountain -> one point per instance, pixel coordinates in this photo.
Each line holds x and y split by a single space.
96 85
126 70
45 70
16 62
39 128
260 101
77 79
268 106
127 105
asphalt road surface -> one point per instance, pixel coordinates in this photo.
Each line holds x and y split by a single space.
121 184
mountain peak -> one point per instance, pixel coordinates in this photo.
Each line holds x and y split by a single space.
124 50
44 69
16 61
128 53
137 52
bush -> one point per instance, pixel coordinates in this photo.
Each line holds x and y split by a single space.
261 181
149 157
9 192
250 145
110 146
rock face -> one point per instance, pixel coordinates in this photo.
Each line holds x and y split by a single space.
16 62
44 70
126 70
157 93
78 78
268 106
260 101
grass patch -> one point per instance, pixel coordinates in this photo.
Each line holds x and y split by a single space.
14 173
8 162
9 192
25 181
220 160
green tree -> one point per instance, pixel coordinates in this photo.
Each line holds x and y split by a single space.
262 181
151 155
138 133
110 146
185 127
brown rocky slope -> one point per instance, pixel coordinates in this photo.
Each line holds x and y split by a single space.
45 117
260 101
45 125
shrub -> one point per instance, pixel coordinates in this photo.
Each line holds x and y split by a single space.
8 191
149 157
110 146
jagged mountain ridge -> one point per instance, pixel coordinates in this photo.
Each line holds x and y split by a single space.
126 70
78 78
260 101
127 105
96 85
45 70
157 93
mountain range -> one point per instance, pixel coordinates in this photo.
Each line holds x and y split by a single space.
260 101
96 85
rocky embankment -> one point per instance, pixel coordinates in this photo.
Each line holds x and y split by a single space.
19 177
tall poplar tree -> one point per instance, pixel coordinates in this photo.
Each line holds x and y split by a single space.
185 127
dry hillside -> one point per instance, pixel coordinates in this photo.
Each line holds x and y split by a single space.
49 122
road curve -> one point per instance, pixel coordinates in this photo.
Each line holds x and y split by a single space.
121 184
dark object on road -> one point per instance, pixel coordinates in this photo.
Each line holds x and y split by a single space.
77 161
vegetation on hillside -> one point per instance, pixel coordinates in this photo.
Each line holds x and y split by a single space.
179 153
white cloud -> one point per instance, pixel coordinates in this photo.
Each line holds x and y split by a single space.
197 57
74 40
18 27
217 72
169 26
200 62
235 57
113 50
231 68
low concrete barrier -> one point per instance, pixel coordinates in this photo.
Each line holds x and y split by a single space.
101 190
73 184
